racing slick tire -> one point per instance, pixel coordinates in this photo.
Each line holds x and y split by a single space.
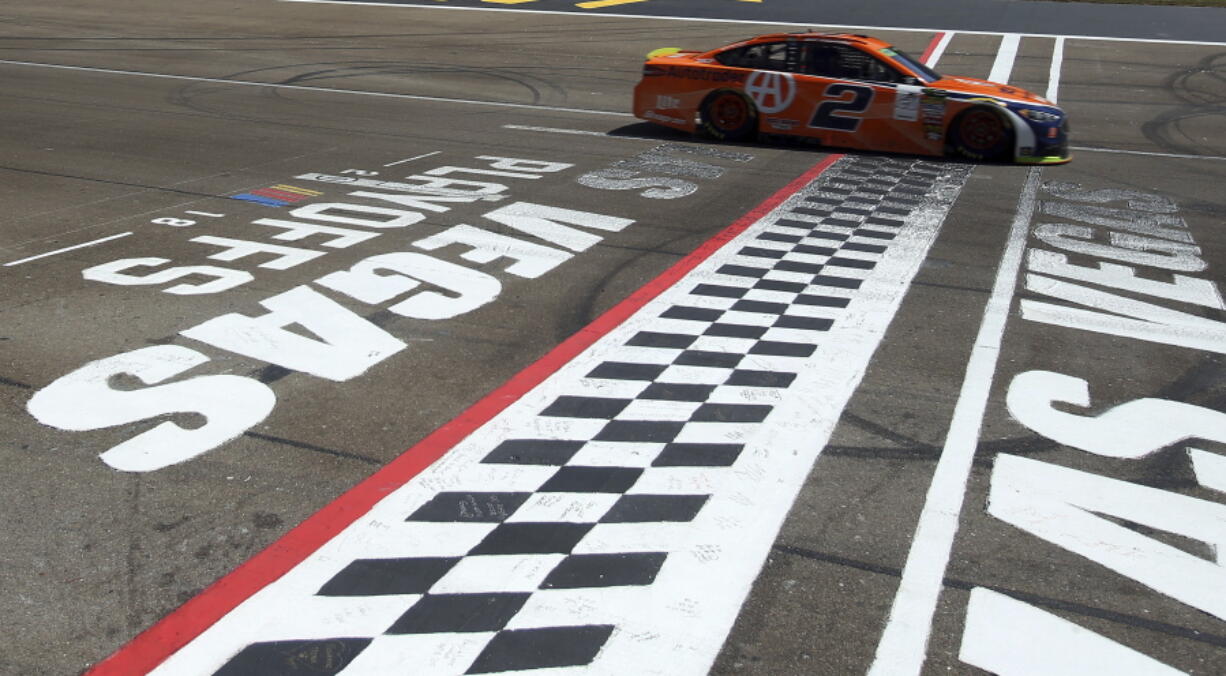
981 133
728 115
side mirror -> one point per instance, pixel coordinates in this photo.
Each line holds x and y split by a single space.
909 80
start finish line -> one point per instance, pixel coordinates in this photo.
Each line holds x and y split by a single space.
613 518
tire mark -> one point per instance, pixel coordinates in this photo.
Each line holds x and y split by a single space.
94 179
15 383
305 74
1202 89
312 447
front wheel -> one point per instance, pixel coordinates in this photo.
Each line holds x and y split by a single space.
728 116
981 134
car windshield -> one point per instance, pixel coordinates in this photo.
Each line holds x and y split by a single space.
898 56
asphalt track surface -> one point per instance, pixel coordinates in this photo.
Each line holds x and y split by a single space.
1019 16
1072 537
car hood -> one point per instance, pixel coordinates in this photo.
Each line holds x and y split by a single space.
974 87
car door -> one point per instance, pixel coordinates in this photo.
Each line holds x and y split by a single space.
856 100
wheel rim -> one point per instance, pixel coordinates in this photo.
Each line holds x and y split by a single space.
982 131
728 112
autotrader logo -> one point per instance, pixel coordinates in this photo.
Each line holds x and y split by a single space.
773 92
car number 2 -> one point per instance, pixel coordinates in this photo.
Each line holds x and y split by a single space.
839 112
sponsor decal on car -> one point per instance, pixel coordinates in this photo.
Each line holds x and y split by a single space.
708 74
667 102
772 92
907 103
932 108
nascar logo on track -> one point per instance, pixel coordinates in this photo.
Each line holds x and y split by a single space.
277 195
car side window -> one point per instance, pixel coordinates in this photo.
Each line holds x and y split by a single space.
762 56
842 62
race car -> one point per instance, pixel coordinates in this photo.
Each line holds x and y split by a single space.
849 91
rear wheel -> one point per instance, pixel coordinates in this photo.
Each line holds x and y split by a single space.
981 134
729 116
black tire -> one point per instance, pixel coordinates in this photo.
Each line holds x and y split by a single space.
729 116
981 133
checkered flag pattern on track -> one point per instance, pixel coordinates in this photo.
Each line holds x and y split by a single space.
595 499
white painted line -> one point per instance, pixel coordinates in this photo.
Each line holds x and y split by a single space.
1002 67
805 24
576 132
204 213
1084 149
939 49
1053 76
326 90
410 159
903 643
69 248
555 130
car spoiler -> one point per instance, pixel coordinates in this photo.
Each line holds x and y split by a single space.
669 51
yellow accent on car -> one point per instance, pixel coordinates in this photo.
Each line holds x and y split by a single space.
663 51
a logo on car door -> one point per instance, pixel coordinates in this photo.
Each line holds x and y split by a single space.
772 91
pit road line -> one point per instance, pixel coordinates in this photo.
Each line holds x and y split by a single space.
1146 153
67 249
416 157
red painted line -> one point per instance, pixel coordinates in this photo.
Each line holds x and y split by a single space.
932 46
163 639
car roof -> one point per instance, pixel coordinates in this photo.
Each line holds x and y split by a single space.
865 41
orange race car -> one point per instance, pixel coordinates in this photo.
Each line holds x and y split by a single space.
850 91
